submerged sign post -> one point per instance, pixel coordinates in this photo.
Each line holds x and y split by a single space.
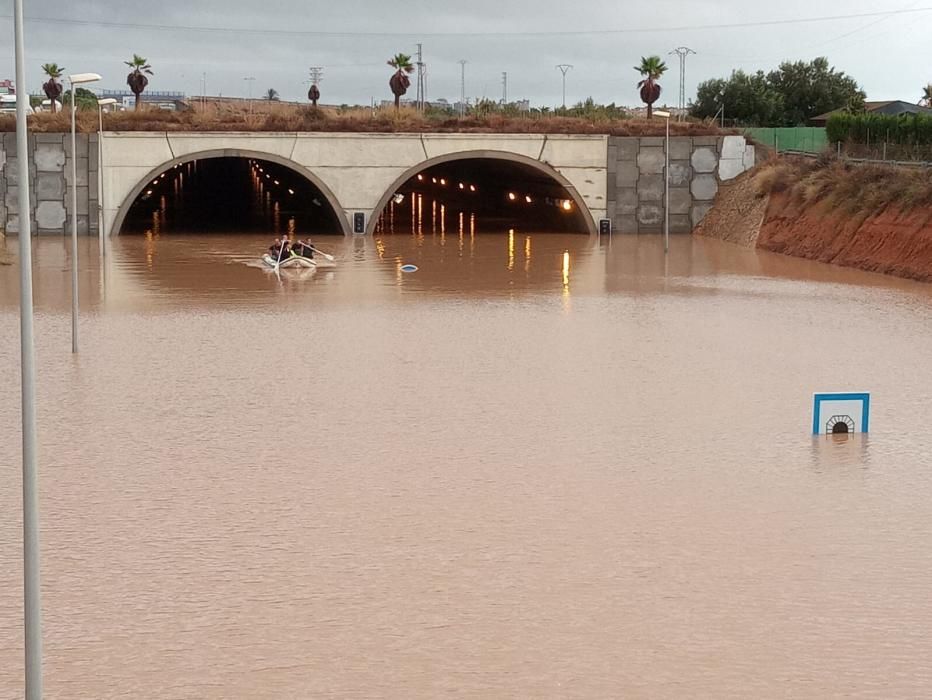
841 413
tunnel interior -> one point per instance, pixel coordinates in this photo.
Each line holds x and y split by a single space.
481 195
231 195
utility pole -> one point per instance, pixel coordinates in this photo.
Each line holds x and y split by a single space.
249 82
504 88
564 67
462 86
420 77
682 52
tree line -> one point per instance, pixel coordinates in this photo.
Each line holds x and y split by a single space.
791 95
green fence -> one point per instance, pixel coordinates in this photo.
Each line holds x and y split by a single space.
810 139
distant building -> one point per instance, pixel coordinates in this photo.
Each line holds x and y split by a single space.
888 107
6 87
167 100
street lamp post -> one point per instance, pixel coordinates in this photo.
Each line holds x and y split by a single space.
666 182
107 101
76 79
32 607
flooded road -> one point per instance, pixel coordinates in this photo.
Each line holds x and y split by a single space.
538 467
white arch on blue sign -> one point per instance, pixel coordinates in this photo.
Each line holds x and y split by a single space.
819 399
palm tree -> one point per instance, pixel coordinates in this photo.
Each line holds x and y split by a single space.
272 95
926 96
651 69
137 80
52 88
313 95
399 82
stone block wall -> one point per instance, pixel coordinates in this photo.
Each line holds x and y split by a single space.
50 184
698 164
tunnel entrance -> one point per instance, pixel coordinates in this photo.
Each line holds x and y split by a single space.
231 195
481 195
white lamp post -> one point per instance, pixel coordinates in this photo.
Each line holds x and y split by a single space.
666 182
106 102
76 79
32 607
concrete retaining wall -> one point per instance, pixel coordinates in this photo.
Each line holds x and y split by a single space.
698 164
50 183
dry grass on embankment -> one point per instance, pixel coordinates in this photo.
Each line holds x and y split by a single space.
871 217
301 118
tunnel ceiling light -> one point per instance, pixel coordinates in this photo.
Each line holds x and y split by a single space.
442 181
512 196
567 205
434 180
462 186
275 181
527 198
290 191
421 178
472 188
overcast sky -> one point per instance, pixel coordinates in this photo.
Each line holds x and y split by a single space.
275 41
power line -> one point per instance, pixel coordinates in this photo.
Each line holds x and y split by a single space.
586 32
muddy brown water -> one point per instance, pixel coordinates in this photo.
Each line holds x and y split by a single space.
539 467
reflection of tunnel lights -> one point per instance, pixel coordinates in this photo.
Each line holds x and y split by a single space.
512 196
527 198
567 205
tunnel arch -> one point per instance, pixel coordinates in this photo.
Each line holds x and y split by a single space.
539 166
245 154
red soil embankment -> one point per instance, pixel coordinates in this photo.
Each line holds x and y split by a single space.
892 242
874 218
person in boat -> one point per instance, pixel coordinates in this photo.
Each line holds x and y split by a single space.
303 249
279 249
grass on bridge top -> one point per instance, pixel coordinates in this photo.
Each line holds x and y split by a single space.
303 118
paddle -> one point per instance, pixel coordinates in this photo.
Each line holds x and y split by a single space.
280 251
324 255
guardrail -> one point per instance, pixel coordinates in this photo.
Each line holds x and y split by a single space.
864 161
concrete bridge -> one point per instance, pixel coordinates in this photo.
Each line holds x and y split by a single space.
615 177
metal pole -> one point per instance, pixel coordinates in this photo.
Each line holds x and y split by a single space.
462 109
32 604
666 192
74 227
564 67
100 180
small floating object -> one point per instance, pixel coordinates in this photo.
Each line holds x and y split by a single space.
409 268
